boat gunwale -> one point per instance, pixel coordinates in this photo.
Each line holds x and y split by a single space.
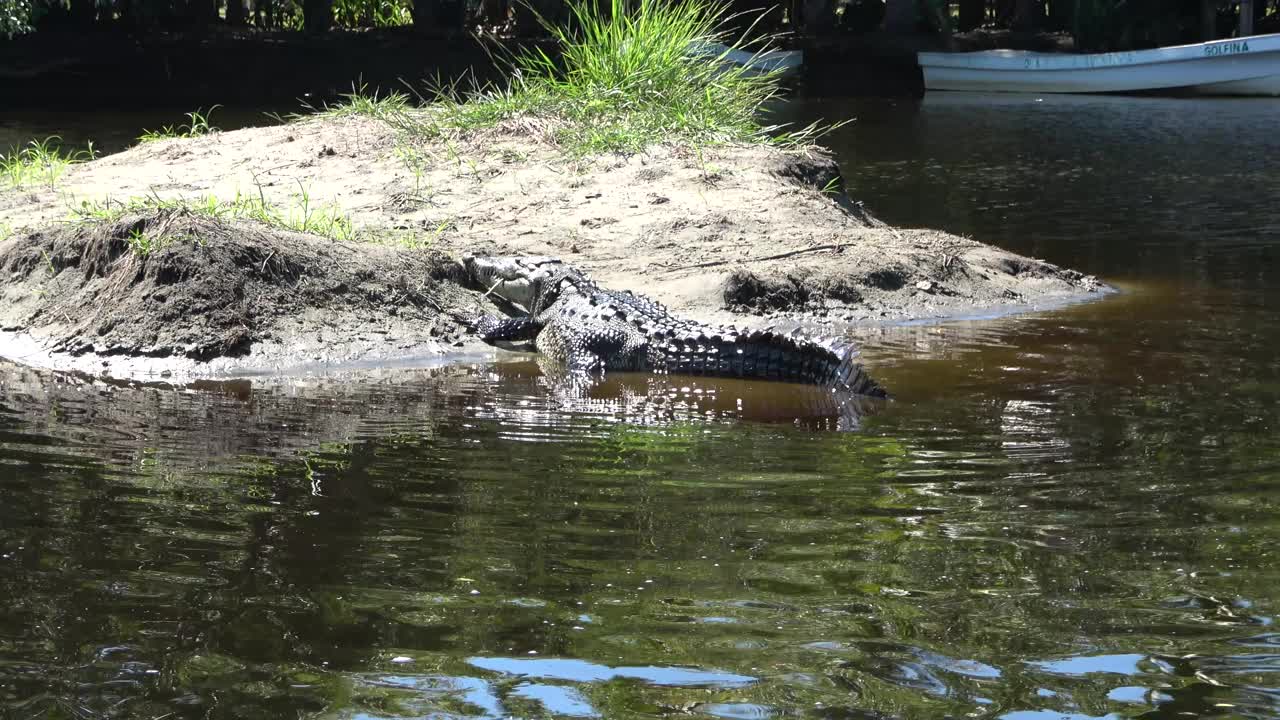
1023 61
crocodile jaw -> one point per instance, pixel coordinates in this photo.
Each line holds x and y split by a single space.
516 279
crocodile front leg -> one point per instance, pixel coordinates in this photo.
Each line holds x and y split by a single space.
493 328
570 348
592 346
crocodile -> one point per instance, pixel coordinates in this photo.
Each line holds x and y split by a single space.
585 329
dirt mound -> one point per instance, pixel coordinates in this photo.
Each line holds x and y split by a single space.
174 284
925 272
724 234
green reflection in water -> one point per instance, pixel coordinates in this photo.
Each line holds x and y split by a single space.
1071 514
416 544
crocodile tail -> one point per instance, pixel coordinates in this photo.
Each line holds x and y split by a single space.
850 375
766 355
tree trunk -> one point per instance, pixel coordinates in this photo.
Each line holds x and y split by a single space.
317 15
972 14
83 12
1060 15
1028 15
420 10
236 16
494 12
937 13
1209 19
527 12
448 14
201 13
1005 10
900 16
760 16
1246 18
819 17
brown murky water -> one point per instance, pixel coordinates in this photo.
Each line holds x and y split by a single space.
1071 514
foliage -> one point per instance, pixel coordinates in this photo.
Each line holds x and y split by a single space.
1096 24
372 13
198 125
1117 24
142 243
360 101
41 161
625 80
15 17
628 79
1090 21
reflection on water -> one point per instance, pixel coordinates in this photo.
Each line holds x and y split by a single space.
1137 188
115 131
1065 515
640 399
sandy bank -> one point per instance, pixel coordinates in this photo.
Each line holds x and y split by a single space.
732 234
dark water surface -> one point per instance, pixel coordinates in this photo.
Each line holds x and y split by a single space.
111 132
1072 515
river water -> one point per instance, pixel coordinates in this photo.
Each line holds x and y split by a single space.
1072 514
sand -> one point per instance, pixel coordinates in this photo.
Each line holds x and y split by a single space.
746 235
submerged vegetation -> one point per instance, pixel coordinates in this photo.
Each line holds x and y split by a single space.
40 162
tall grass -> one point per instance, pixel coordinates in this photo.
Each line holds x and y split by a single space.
626 79
199 124
361 102
302 214
40 161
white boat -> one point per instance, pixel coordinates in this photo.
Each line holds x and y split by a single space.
1241 66
784 62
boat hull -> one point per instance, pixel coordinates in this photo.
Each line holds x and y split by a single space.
783 63
1249 66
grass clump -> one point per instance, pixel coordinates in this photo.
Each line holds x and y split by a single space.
199 124
301 215
631 74
143 243
40 162
363 103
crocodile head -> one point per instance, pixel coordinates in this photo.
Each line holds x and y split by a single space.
526 280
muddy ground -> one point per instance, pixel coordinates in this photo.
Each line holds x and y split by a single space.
748 235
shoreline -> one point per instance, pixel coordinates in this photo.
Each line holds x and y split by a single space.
744 235
24 349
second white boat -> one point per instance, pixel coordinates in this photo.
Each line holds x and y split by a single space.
1243 66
